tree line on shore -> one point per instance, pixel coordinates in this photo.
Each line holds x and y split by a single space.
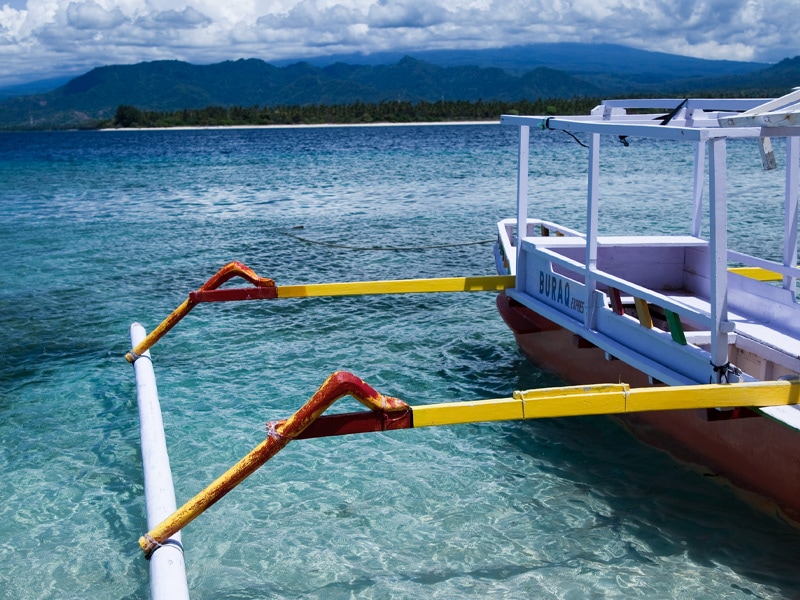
358 112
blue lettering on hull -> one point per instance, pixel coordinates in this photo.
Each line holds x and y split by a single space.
557 289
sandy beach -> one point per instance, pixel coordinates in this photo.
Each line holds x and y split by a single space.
303 126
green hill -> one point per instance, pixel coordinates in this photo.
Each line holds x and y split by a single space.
175 85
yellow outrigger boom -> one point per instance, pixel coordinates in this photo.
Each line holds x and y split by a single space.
608 399
265 289
387 413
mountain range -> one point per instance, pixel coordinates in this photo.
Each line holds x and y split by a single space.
510 74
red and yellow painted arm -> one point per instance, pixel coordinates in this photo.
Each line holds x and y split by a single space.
209 292
265 289
279 435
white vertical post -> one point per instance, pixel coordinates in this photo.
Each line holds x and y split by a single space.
522 201
718 209
592 215
697 192
790 208
167 567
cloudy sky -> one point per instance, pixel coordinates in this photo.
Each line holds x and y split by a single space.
45 38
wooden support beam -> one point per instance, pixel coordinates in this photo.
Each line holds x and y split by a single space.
643 313
675 327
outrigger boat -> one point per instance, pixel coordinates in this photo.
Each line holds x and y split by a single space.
694 346
670 309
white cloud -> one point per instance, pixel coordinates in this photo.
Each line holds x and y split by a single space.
40 38
308 15
188 18
388 14
90 15
11 22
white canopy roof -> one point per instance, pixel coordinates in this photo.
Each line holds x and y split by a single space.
695 119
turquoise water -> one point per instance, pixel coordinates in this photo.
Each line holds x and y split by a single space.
100 229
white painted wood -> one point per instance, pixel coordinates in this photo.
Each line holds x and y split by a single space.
780 112
718 210
774 104
697 188
696 121
655 345
625 286
656 262
614 348
767 154
505 241
684 274
651 241
788 415
760 302
708 104
522 198
635 128
790 209
703 338
167 567
768 120
592 215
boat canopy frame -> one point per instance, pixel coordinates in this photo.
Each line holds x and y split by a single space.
708 123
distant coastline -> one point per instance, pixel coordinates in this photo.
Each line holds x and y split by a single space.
330 115
303 125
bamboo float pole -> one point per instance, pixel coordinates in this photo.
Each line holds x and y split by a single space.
167 566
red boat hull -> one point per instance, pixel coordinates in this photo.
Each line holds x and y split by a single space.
756 454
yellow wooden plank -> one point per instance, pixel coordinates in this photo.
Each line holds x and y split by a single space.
643 313
761 393
573 401
757 273
571 390
490 283
454 413
607 399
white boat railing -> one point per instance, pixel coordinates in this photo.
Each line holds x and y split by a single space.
167 566
506 241
692 314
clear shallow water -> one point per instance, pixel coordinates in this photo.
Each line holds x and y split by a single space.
101 229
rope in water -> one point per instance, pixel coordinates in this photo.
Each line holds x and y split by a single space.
388 248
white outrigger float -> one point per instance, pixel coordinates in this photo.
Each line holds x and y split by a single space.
669 309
